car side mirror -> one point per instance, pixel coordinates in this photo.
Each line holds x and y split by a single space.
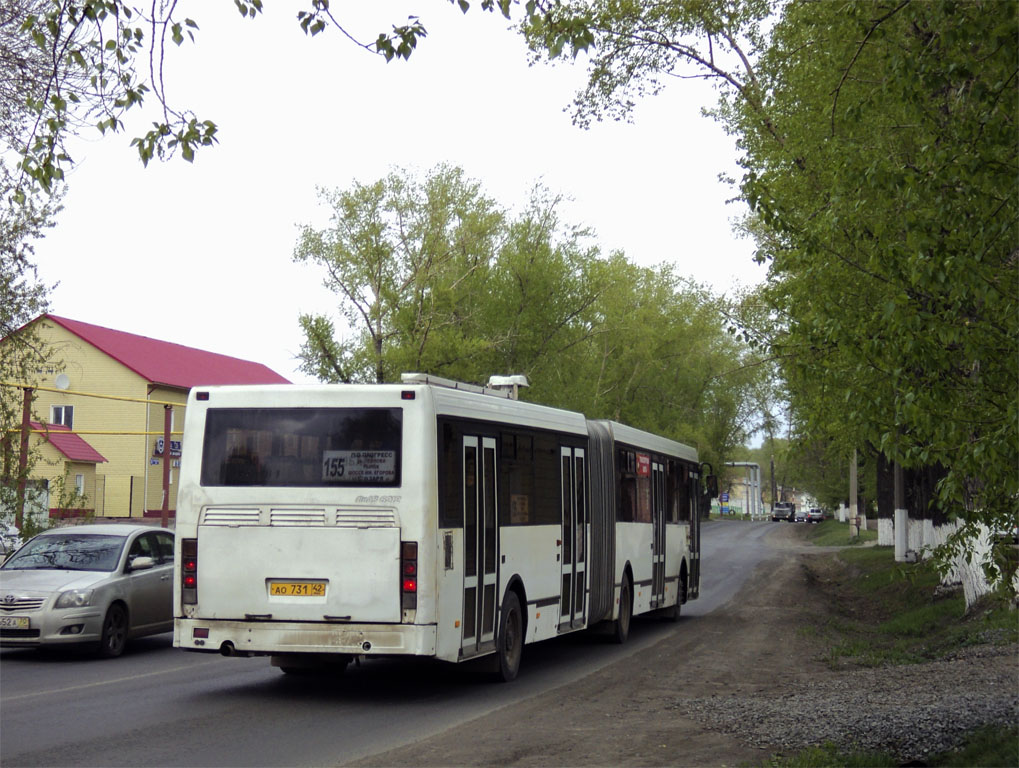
141 563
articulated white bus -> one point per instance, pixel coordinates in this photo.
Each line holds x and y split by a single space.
431 518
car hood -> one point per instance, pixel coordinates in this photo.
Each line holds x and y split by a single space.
48 581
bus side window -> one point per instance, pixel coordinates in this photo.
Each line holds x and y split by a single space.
671 492
682 495
547 508
450 479
626 470
518 486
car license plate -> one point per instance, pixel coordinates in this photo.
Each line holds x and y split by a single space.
14 622
297 588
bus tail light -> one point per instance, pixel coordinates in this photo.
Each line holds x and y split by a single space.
409 575
189 571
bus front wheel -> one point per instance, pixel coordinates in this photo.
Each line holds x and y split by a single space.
510 643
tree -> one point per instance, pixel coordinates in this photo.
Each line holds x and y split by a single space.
892 209
539 297
82 63
406 258
22 298
880 165
525 294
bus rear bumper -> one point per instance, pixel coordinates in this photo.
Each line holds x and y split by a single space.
250 638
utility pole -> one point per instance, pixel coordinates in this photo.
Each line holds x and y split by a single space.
26 428
164 515
774 491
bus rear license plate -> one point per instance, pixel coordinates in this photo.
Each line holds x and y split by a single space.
14 622
297 588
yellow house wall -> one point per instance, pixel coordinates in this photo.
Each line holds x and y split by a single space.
55 468
127 453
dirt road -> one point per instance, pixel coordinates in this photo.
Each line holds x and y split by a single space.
738 685
631 712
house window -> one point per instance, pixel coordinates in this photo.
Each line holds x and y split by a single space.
79 484
62 414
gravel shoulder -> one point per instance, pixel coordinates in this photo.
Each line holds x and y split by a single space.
734 687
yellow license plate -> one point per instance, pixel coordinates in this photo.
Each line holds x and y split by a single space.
297 588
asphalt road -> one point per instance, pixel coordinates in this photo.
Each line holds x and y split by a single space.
158 706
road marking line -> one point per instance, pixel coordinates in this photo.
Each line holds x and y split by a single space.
105 682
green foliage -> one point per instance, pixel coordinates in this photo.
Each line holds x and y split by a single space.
898 613
83 64
891 208
434 277
406 258
880 161
77 64
635 47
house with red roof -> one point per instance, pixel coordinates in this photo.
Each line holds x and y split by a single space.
98 415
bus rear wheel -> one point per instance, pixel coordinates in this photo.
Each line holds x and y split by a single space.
510 643
673 612
622 624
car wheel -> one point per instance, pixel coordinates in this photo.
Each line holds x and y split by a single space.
114 637
622 624
510 643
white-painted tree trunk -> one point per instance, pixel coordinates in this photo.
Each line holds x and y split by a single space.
922 537
886 532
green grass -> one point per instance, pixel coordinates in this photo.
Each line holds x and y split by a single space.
830 757
832 533
895 613
991 747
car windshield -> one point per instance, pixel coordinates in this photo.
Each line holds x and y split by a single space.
69 552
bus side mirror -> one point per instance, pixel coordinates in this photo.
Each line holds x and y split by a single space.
712 483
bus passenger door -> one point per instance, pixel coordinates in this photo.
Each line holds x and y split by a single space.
481 544
574 539
694 494
657 535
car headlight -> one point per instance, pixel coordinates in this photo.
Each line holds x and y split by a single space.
75 598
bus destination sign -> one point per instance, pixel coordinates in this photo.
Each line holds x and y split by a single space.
359 466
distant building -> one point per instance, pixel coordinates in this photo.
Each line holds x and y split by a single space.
100 454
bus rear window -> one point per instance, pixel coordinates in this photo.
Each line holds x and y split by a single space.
311 447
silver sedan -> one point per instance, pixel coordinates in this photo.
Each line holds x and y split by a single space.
98 584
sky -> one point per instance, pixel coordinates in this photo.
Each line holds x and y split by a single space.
201 254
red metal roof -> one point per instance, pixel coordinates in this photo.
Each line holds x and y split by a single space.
68 443
162 362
